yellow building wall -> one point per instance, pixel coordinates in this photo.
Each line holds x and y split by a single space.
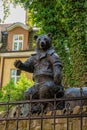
0 62
8 65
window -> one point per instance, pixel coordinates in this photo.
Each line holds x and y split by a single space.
15 75
18 42
4 37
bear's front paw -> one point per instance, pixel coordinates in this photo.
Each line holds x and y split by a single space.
17 63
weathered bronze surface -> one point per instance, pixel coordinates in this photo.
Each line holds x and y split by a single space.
46 67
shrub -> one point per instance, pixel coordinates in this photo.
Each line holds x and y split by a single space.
15 91
21 86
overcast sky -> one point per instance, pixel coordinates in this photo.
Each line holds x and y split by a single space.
16 14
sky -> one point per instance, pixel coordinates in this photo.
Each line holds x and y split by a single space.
16 14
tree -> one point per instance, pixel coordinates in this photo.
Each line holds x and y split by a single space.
67 21
75 26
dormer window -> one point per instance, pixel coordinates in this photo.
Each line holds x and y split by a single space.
18 42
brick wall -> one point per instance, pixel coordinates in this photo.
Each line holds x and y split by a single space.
17 30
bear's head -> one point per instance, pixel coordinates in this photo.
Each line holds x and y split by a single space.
43 41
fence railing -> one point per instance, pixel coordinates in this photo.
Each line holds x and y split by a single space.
52 109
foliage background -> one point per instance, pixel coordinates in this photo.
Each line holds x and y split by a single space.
67 21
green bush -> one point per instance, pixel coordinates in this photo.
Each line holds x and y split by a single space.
21 86
6 90
15 91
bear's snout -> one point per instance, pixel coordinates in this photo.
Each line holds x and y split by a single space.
42 44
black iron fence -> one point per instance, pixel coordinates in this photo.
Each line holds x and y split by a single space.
54 114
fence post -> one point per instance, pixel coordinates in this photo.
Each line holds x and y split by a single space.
54 111
7 112
29 116
81 108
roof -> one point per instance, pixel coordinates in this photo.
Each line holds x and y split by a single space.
3 27
18 24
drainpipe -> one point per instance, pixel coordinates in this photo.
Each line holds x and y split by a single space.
2 70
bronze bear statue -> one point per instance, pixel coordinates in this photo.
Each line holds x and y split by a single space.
46 67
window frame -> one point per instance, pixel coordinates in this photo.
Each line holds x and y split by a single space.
14 76
18 42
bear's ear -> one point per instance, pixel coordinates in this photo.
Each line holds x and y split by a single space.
35 37
49 35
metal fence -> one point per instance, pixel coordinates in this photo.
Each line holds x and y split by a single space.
54 115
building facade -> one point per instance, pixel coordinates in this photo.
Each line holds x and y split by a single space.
16 43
